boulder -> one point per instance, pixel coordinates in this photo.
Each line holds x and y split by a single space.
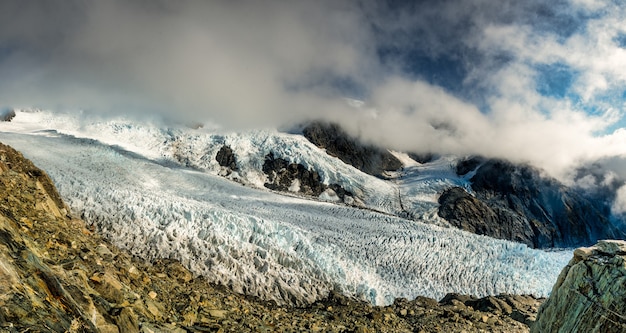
590 293
226 158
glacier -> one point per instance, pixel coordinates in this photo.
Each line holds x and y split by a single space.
155 192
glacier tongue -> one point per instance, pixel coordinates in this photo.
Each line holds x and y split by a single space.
283 248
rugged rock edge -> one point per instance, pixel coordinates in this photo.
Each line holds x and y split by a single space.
590 293
518 203
367 158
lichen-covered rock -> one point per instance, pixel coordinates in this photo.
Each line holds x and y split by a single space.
590 293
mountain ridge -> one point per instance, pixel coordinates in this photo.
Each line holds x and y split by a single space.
508 201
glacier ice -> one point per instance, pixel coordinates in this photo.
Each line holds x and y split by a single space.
124 181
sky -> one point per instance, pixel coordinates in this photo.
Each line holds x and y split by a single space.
542 82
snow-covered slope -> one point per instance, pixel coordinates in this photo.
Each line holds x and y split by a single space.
420 185
258 242
197 148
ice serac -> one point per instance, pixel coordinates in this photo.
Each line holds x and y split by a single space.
516 202
590 293
338 143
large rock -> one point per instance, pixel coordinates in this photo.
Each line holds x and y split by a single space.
285 176
590 293
226 158
516 202
367 158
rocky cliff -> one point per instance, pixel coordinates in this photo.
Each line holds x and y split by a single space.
56 275
509 201
516 202
590 294
367 158
294 177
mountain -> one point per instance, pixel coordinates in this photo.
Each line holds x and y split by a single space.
336 142
516 202
304 226
505 200
57 275
160 192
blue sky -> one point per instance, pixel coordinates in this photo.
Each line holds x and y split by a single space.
536 81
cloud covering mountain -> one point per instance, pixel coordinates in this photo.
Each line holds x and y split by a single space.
528 81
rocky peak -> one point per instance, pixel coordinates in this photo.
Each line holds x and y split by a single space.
367 158
590 293
7 114
516 202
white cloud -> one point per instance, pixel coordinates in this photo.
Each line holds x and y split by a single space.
619 205
242 63
591 5
255 64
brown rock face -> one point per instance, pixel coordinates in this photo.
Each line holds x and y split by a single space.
590 294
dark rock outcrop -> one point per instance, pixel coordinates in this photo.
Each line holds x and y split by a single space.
284 176
516 202
7 114
590 293
226 159
470 214
367 158
467 165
